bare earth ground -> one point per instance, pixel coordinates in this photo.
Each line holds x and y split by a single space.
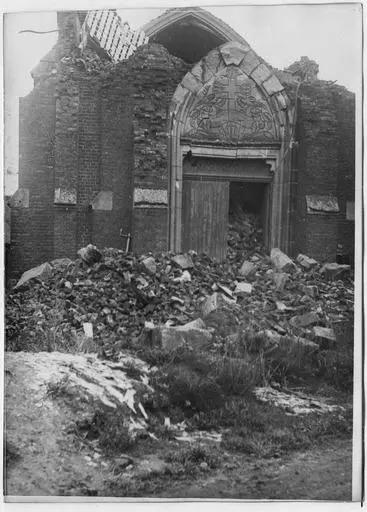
322 474
47 459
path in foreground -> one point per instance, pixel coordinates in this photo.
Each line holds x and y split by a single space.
324 473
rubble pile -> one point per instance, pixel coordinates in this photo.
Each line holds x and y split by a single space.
113 298
245 237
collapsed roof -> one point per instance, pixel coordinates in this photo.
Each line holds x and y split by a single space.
188 33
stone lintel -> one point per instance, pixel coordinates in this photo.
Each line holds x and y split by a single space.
317 204
148 197
65 196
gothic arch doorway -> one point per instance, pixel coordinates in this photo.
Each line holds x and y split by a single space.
229 108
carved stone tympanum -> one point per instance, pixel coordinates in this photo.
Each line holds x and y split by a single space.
230 108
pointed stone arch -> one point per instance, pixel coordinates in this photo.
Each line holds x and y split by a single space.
231 105
198 15
190 32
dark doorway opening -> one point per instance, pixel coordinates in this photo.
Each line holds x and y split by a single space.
248 217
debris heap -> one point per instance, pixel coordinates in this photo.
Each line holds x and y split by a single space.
111 297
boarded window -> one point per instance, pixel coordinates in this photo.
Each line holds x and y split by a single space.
322 204
350 210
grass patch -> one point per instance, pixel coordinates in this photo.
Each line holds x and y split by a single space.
336 368
196 381
265 431
193 457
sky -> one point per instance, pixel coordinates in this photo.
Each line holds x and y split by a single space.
330 34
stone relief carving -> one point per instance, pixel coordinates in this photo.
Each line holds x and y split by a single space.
230 109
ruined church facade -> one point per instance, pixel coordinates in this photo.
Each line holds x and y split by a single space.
152 149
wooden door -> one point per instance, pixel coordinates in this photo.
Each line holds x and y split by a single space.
205 207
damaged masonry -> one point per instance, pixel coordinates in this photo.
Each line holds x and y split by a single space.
180 295
183 123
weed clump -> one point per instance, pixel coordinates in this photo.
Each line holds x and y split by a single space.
60 388
111 430
191 458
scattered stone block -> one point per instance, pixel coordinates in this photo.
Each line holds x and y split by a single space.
183 261
194 324
185 277
306 262
310 290
90 254
174 337
243 289
88 329
280 279
61 263
306 345
335 271
304 320
281 261
281 306
225 290
194 334
41 273
247 269
324 334
215 302
279 345
150 265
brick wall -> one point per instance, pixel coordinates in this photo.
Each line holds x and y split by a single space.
150 230
116 159
32 225
325 166
345 104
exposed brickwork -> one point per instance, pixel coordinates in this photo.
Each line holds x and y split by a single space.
155 75
89 154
